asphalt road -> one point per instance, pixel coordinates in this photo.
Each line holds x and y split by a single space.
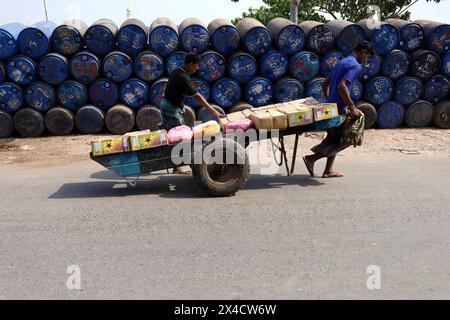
279 238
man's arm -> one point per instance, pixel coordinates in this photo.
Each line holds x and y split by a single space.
202 101
345 94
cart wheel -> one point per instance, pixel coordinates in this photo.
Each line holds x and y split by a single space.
217 177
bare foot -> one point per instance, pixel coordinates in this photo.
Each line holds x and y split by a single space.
309 166
332 175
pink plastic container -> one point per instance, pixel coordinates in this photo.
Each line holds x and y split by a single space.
243 125
180 134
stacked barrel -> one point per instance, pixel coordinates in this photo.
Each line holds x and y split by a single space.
89 79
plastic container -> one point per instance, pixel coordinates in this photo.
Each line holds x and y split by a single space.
383 36
226 93
68 38
320 38
396 65
329 61
256 38
436 89
274 65
425 64
304 66
163 36
356 91
225 38
348 35
29 123
379 90
157 91
437 35
40 96
194 35
411 34
11 97
242 67
9 34
72 95
175 60
408 90
117 66
391 115
90 120
288 37
212 67
85 67
54 69
34 41
259 92
148 66
22 70
371 68
59 121
100 38
288 89
6 125
419 114
132 37
314 89
104 94
134 93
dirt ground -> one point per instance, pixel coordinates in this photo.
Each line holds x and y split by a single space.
61 151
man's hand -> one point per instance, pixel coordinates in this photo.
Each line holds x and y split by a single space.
219 115
355 113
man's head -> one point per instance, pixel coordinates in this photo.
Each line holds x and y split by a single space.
363 51
192 63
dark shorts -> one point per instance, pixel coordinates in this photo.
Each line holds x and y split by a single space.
172 116
332 143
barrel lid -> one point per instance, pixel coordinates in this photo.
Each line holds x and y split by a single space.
420 114
117 66
100 39
34 43
390 115
40 96
257 40
11 97
226 39
212 66
72 95
194 38
8 46
164 40
148 66
53 69
104 94
67 40
85 67
21 69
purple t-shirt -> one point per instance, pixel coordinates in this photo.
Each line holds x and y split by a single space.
347 69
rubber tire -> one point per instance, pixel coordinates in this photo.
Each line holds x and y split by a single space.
218 189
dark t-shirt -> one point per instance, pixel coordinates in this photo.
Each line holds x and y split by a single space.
180 86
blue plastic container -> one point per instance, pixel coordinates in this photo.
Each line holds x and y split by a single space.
225 38
85 67
329 61
194 35
259 92
117 66
371 68
288 89
304 66
391 115
72 95
256 38
22 70
175 60
379 90
420 114
203 88
54 69
132 37
164 37
314 89
2 72
9 34
446 64
68 38
273 65
357 91
148 66
348 35
396 64
100 38
408 90
384 36
104 94
411 34
437 35
157 91
242 67
425 64
40 96
288 37
212 67
134 93
34 41
226 93
11 97
320 38
436 89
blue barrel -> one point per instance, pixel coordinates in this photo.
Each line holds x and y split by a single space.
22 70
320 38
446 64
348 35
212 67
357 91
396 64
436 89
419 115
164 36
34 41
314 89
134 93
175 60
72 95
85 67
329 61
371 68
203 88
60 121
40 96
383 36
100 38
226 93
157 91
425 64
204 115
288 37
68 38
132 37
225 38
256 38
54 69
242 67
274 65
259 92
11 97
6 125
194 35
90 120
437 35
148 66
304 66
411 34
9 34
379 90
288 89
408 90
29 123
117 66
2 72
390 115
104 94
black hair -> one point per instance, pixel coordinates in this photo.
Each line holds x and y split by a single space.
365 46
193 57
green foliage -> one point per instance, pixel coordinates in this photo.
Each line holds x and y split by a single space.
351 10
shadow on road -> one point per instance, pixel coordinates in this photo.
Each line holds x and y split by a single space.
166 186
